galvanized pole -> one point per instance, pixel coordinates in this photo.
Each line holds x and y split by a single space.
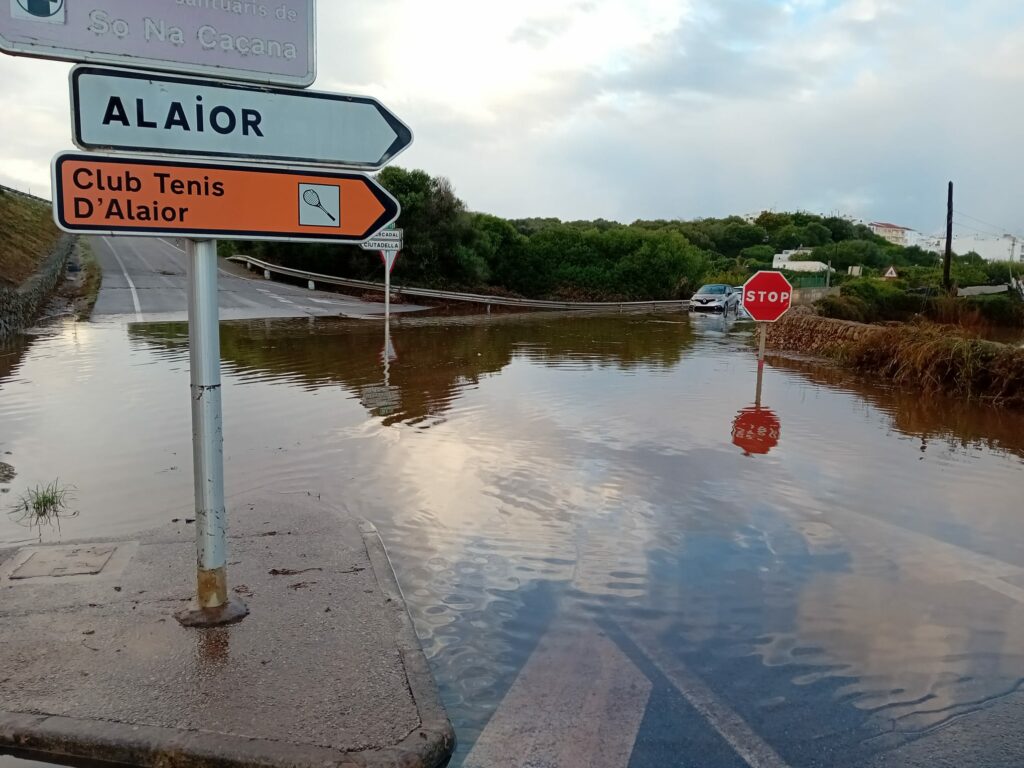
213 606
387 286
760 363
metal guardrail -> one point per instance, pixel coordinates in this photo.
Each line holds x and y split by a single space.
19 193
474 298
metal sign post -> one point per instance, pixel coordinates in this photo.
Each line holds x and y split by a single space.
767 296
760 360
389 242
213 607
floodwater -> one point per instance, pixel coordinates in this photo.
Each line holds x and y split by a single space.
832 578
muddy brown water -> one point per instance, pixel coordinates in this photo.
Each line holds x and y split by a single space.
853 586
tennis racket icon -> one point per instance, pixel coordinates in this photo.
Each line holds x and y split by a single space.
311 198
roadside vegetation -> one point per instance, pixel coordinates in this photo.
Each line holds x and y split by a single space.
448 246
86 289
871 300
916 356
28 236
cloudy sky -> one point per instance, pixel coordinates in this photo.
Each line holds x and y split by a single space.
628 109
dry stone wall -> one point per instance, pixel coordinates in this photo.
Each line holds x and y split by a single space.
19 307
816 335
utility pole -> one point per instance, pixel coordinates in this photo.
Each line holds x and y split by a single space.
947 283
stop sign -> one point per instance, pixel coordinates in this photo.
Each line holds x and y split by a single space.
767 296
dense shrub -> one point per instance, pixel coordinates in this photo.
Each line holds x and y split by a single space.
884 300
843 308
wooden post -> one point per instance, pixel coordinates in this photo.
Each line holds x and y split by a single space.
947 282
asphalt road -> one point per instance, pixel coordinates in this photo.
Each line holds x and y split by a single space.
144 278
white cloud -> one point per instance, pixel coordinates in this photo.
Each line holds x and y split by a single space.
662 108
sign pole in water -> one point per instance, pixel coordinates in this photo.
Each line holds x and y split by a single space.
213 606
767 296
389 242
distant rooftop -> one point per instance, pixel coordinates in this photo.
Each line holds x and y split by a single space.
886 225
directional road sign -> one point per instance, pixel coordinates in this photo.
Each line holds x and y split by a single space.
150 196
767 296
144 112
266 41
385 240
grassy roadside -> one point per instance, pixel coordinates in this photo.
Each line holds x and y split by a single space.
920 357
91 283
27 236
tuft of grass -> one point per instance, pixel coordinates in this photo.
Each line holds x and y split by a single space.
43 505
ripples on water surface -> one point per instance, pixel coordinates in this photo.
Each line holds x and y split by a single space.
853 589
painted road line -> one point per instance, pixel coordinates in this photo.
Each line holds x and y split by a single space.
750 747
99 194
135 294
577 703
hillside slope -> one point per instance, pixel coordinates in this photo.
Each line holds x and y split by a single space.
27 235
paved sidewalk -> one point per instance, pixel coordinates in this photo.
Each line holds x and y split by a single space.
326 670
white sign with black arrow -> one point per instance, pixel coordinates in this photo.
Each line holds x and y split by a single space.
145 112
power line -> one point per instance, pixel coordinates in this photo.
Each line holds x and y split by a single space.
1002 230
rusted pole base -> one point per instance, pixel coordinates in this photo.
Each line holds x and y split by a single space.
212 606
231 612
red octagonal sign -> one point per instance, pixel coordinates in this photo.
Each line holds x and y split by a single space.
767 296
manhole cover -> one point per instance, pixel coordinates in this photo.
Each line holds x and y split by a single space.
65 561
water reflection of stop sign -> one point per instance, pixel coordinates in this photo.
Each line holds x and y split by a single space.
756 430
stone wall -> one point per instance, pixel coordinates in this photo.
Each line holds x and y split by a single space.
807 296
816 335
19 307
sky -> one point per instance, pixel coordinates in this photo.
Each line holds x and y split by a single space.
677 109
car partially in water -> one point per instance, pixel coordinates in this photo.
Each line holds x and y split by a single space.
741 312
715 297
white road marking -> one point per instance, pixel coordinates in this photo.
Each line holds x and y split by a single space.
578 703
754 750
135 294
168 242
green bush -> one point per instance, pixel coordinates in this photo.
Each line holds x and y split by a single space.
884 300
1001 309
843 308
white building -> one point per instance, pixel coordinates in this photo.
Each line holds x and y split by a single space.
784 260
891 232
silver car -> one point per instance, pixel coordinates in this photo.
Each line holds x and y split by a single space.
715 297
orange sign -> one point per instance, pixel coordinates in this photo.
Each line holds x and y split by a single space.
143 196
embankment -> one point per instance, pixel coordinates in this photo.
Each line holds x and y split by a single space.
929 358
33 254
20 306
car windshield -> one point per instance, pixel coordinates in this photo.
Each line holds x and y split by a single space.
713 289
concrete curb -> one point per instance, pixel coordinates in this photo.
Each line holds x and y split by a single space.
71 740
433 743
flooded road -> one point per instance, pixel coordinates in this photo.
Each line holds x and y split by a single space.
611 557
